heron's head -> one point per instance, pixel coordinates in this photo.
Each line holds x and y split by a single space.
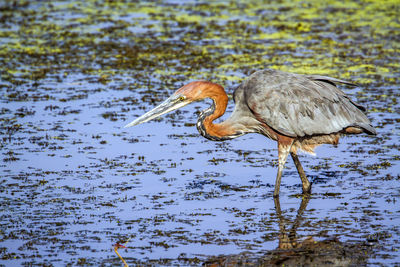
187 94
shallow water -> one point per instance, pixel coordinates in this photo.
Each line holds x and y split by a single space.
74 183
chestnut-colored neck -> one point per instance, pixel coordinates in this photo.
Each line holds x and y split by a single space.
205 123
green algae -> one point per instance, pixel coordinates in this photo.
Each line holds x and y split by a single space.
78 40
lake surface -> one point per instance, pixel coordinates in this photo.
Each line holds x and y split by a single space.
75 183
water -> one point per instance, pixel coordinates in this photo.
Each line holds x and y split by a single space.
74 182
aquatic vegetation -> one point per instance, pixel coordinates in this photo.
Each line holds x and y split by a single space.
73 183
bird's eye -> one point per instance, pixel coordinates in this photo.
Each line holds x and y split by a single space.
181 98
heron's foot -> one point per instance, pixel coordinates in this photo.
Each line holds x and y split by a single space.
307 188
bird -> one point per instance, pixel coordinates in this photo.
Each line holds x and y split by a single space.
298 111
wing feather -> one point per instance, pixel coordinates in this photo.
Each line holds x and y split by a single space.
299 105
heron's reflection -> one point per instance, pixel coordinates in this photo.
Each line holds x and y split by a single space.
292 251
288 240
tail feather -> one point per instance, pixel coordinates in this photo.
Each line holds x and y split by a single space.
367 128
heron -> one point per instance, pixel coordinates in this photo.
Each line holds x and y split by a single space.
298 111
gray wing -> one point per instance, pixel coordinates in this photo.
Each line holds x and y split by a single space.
299 105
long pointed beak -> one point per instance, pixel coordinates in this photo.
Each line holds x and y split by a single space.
172 103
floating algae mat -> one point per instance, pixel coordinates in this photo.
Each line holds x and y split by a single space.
76 187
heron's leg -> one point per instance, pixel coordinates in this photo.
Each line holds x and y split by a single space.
303 177
283 152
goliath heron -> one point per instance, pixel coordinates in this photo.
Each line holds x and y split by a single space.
298 111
